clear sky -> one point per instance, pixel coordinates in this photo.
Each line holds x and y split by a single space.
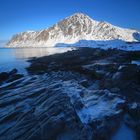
22 15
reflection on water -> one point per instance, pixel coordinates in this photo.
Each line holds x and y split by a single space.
25 53
17 57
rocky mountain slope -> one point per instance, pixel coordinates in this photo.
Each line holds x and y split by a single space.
72 30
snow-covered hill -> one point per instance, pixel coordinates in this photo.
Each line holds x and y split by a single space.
71 30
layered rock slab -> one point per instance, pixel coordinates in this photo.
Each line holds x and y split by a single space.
51 106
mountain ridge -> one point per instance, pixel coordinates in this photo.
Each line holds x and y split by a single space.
72 29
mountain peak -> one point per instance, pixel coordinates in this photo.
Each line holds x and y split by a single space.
73 29
79 14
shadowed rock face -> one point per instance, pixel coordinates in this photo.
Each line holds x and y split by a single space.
136 36
52 106
6 77
103 69
81 94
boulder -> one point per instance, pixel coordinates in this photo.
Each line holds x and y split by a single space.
4 76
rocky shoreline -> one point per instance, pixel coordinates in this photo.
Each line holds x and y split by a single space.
82 94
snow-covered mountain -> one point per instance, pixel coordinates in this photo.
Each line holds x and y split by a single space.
71 30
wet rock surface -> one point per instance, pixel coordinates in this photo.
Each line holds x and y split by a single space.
83 94
6 77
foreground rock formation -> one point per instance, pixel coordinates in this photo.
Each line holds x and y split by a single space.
81 94
40 107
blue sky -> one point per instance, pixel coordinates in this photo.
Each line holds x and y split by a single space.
21 15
